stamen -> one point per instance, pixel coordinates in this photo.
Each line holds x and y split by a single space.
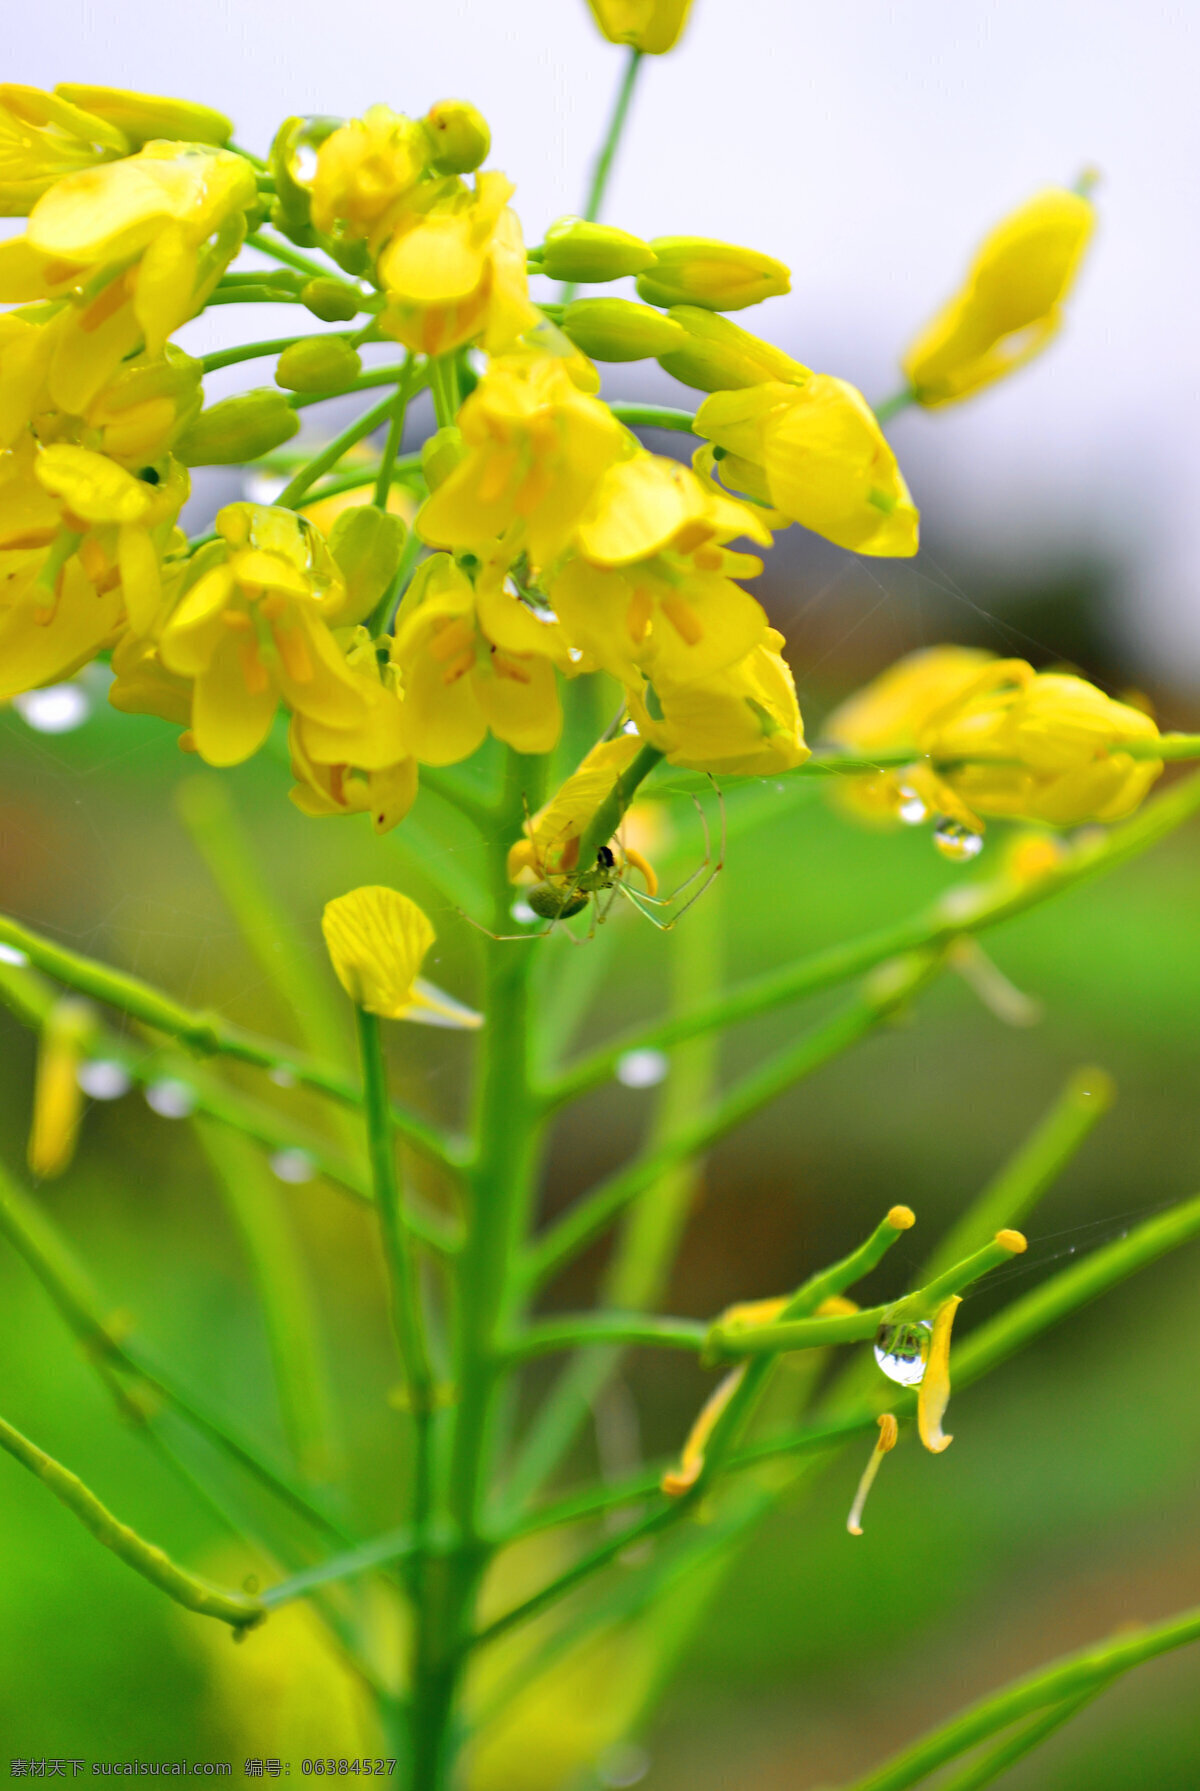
676 1481
889 1430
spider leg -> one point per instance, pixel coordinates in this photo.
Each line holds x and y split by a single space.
506 938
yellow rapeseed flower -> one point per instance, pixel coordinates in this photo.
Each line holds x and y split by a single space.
377 941
535 448
365 172
367 769
474 658
652 26
742 721
80 546
251 625
816 453
44 137
1036 746
649 589
1010 304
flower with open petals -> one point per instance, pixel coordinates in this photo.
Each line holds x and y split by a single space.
816 454
377 940
742 721
368 768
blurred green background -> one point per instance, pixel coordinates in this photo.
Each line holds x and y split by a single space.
1067 1506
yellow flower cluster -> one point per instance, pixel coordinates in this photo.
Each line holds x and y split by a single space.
560 547
992 737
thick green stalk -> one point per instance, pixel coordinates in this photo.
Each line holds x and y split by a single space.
501 1187
395 434
997 1760
966 910
629 1328
238 1609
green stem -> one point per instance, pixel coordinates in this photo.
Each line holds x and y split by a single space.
655 416
602 167
208 1033
611 812
961 912
290 257
293 494
1006 1753
585 1221
606 1327
251 295
892 406
383 481
1087 1671
251 351
237 1609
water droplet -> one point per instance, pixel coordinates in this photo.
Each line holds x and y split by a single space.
56 709
955 841
293 1165
574 654
903 1350
912 810
281 1076
622 1765
522 913
171 1099
642 1069
630 727
103 1079
303 164
10 955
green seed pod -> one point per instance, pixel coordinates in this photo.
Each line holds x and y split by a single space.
367 543
319 364
692 270
613 329
550 903
577 250
238 429
333 301
458 135
719 356
440 454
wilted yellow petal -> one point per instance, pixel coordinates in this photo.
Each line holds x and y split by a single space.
934 1395
889 1430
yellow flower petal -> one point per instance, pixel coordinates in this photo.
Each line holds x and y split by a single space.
934 1394
377 940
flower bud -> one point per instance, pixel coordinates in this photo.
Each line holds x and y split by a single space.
613 329
367 543
145 116
440 454
238 429
691 270
576 250
57 1098
651 26
459 137
333 301
320 364
718 356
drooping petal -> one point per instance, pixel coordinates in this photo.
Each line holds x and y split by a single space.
934 1394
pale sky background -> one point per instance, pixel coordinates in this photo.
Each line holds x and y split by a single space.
868 145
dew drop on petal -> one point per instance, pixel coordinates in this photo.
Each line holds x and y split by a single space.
903 1350
171 1099
622 1765
56 709
642 1069
293 1165
912 811
956 842
10 955
103 1080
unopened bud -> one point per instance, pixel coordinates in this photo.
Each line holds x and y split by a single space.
319 364
367 543
333 301
440 454
459 137
691 270
613 329
576 250
719 356
144 116
238 429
